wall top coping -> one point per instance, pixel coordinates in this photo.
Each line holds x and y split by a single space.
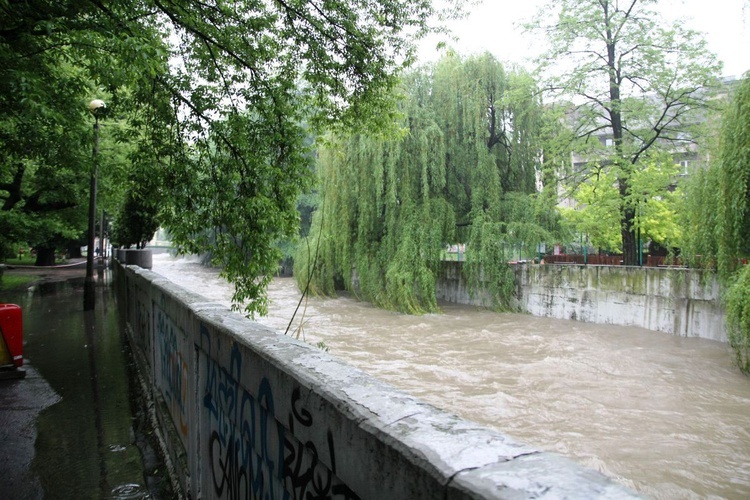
471 461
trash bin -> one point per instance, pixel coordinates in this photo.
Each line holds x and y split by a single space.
11 328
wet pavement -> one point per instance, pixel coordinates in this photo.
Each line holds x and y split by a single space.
21 401
70 428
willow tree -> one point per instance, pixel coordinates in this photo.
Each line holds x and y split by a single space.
716 215
638 84
491 119
717 220
734 183
448 172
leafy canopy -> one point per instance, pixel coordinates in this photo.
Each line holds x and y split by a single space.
458 166
636 85
654 196
717 220
217 97
716 214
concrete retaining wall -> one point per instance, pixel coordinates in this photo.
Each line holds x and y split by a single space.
248 413
678 301
142 258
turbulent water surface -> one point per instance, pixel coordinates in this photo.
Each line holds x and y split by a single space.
667 416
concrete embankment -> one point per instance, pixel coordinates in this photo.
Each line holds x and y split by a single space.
682 302
248 413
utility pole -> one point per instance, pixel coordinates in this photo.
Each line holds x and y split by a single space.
88 289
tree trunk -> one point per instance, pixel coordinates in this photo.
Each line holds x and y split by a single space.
45 256
629 245
627 231
74 250
627 214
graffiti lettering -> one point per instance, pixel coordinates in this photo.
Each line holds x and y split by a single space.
171 370
244 447
251 453
304 471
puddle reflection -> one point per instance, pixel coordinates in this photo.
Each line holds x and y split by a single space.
85 445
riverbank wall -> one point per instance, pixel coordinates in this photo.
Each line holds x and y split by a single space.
244 412
678 301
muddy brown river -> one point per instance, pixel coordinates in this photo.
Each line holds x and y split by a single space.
667 416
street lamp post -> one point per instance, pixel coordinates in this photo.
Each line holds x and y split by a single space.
95 107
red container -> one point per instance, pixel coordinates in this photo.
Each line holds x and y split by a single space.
11 327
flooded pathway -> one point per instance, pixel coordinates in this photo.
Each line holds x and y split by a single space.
667 416
87 442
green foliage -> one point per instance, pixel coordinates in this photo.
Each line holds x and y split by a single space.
462 155
716 213
717 220
597 215
635 81
734 183
733 221
136 223
212 97
487 263
652 196
655 200
738 318
700 218
48 54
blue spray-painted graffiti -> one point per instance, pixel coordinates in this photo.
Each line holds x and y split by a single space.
171 370
252 455
245 441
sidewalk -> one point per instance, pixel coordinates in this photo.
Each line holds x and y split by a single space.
21 401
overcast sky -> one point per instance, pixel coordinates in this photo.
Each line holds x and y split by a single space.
494 26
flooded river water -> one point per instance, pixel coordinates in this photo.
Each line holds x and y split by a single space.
667 416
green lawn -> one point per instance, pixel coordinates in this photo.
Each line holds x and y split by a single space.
14 281
26 260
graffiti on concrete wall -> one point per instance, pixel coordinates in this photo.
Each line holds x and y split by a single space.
171 368
251 453
143 323
306 474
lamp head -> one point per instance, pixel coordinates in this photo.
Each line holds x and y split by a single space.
96 105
